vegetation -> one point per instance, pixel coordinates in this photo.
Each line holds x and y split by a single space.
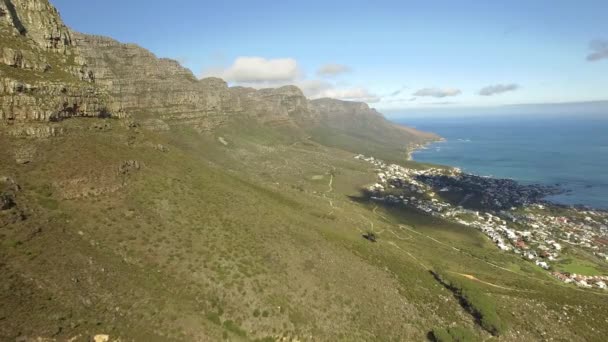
481 306
453 334
257 236
206 234
574 264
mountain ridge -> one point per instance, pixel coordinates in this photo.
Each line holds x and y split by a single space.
138 203
124 79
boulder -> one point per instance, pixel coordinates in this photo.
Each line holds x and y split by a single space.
161 148
25 154
129 166
7 201
101 338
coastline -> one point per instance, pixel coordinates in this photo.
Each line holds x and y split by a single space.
569 153
550 199
551 190
514 216
411 149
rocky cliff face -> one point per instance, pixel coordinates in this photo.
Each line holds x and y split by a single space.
142 83
49 73
357 116
43 77
38 20
356 127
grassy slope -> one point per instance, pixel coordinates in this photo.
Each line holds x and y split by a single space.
244 241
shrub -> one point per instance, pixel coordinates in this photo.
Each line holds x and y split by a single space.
214 317
453 334
480 305
234 328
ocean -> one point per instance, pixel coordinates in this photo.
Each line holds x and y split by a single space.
569 151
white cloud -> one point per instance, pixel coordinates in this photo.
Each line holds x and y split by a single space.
351 94
331 69
397 92
600 50
498 89
438 92
258 70
316 89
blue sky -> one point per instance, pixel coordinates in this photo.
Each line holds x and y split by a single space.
392 54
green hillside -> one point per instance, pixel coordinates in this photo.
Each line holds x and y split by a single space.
206 213
256 238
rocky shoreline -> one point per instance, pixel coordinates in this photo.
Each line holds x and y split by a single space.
411 149
549 189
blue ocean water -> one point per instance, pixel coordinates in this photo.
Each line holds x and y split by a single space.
569 151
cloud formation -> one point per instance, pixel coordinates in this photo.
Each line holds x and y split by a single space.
498 89
396 92
316 89
600 50
329 70
351 94
258 70
438 92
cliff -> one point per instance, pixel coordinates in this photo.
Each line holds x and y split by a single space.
43 77
139 203
50 73
355 127
142 83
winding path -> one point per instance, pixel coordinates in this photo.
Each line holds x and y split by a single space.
472 277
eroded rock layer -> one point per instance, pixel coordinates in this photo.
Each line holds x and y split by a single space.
49 73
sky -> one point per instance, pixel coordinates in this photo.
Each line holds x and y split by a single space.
392 54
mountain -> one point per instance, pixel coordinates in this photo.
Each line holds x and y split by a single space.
357 128
51 73
44 77
139 203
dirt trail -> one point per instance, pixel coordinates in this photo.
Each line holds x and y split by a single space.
468 254
382 217
409 237
410 255
430 238
496 266
330 189
371 224
456 249
468 276
472 277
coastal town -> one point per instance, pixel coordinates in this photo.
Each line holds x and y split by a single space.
514 216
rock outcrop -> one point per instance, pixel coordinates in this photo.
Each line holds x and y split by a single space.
140 82
129 166
358 116
43 77
355 127
50 73
39 21
7 201
9 210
